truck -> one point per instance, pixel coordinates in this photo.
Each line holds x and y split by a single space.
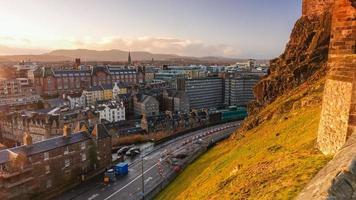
121 169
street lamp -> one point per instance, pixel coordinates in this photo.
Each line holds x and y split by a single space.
143 180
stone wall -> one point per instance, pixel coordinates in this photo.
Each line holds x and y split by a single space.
315 7
338 119
337 180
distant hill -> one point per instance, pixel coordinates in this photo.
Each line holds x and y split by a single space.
113 55
109 55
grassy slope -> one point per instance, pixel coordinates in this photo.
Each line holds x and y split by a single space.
273 161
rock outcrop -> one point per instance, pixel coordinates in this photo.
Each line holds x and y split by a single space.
306 53
304 59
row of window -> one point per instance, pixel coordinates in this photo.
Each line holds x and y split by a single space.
66 151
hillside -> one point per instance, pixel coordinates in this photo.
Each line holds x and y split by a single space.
115 55
275 160
109 55
274 154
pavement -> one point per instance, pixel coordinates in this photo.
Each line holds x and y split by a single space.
151 169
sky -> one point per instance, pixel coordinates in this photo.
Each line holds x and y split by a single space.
229 28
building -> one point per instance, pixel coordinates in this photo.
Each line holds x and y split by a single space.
17 92
45 168
203 92
18 87
118 90
76 100
169 76
93 94
107 91
111 112
42 124
239 87
145 105
174 101
149 74
50 81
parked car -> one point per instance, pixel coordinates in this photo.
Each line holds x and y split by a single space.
133 151
123 150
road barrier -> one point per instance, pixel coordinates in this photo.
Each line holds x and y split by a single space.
159 185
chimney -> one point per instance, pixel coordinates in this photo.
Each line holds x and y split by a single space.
77 63
27 139
66 131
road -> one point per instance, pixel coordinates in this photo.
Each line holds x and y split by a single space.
157 165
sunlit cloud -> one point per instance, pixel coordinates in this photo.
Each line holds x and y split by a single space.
165 45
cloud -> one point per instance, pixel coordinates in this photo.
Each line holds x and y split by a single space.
161 45
164 45
6 50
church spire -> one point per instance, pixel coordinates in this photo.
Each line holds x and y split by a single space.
129 59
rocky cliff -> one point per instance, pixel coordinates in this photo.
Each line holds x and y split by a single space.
303 61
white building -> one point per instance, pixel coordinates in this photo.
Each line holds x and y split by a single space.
112 112
115 90
76 100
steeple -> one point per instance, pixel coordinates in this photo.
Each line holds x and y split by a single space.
129 59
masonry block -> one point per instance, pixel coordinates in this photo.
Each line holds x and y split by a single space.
338 117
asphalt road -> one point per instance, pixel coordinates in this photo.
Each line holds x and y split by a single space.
156 167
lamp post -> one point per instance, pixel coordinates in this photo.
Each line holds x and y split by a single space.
143 180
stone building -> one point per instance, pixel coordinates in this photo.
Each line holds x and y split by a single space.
145 105
174 101
46 168
15 88
338 117
42 124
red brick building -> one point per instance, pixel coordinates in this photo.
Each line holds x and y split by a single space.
49 81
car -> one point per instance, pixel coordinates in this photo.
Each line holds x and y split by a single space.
180 156
123 150
133 151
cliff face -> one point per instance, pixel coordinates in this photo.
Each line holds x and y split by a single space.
304 59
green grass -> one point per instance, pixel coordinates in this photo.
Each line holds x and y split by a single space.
272 161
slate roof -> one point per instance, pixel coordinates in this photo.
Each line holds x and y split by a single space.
43 146
98 132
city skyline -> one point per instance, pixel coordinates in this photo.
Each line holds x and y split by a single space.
237 29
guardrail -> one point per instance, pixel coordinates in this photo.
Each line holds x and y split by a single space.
159 185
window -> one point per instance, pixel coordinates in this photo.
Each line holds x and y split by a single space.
84 157
46 156
66 150
82 145
47 169
49 183
67 163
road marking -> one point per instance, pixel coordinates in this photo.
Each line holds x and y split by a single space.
113 194
149 178
93 196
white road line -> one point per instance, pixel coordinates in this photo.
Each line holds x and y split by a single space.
113 194
93 197
147 180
